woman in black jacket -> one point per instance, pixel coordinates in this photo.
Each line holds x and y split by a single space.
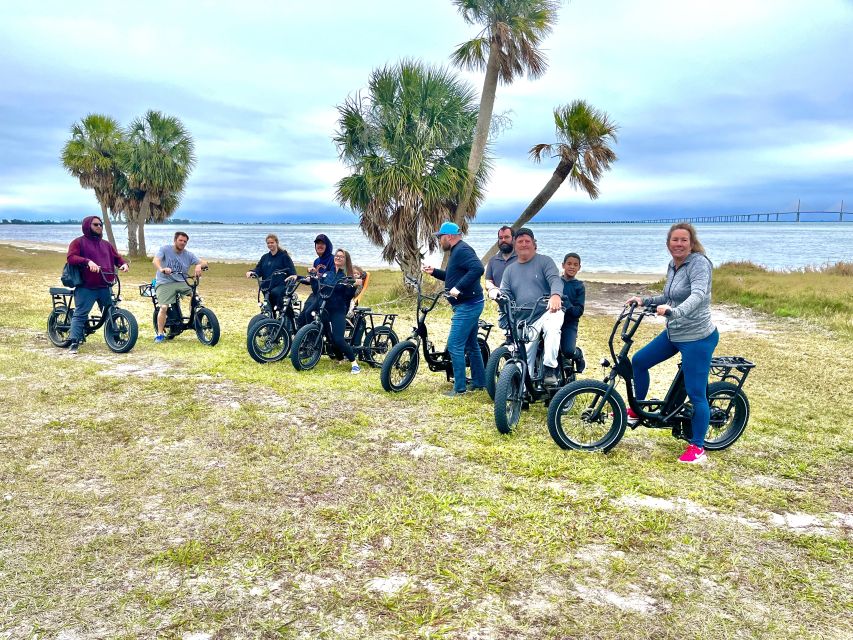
276 260
337 305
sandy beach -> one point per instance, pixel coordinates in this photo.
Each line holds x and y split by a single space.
619 277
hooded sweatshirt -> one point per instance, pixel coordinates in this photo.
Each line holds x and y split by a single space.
327 260
92 247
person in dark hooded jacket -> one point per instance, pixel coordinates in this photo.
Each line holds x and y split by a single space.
91 254
325 261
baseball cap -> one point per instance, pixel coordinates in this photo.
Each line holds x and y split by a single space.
525 231
448 229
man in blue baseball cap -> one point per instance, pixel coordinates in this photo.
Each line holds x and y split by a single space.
462 284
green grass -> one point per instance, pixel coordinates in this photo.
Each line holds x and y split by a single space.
823 295
182 489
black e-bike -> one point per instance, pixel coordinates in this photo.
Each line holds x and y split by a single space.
290 305
200 318
401 365
370 341
590 415
120 327
517 386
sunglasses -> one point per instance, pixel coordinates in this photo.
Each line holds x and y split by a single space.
96 224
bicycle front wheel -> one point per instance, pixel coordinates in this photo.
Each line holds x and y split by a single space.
584 417
268 341
206 327
400 367
121 332
509 396
307 347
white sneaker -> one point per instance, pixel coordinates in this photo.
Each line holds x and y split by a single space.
355 368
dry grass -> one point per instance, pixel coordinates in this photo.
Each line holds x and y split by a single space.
823 295
181 490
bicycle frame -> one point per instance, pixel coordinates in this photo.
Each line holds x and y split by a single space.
289 299
436 360
64 297
517 341
674 410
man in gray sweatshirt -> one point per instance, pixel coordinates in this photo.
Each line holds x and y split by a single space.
527 280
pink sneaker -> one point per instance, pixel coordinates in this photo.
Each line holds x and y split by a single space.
633 418
693 455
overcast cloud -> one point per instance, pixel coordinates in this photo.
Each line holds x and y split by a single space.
724 107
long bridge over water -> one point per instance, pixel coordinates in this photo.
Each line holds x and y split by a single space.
772 216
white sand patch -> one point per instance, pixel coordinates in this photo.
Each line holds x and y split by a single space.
311 583
69 634
769 482
90 485
826 525
561 487
635 602
842 520
597 553
419 450
685 506
387 586
197 635
662 504
543 600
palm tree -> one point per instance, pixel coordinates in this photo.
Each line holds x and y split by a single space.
407 144
158 160
90 156
505 48
584 135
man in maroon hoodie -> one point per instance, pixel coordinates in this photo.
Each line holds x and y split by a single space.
91 253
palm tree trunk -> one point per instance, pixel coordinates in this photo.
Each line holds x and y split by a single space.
108 225
557 178
139 224
132 247
481 138
481 133
141 231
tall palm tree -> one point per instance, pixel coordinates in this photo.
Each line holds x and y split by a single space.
407 144
505 48
158 159
90 156
584 136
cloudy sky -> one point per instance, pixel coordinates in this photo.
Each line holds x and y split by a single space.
724 106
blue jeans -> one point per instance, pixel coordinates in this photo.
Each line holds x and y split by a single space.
462 340
696 365
84 300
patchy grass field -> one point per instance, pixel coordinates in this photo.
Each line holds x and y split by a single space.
186 492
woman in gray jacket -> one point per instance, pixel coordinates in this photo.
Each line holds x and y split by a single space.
686 304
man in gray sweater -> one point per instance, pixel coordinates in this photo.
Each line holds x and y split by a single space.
527 280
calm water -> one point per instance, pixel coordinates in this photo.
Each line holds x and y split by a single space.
633 248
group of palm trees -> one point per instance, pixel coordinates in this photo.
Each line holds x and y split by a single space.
138 174
417 144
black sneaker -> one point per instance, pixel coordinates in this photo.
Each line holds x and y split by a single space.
550 379
73 349
453 393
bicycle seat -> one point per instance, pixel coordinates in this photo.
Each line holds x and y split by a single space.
61 291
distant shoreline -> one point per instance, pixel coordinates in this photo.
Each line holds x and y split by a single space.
607 277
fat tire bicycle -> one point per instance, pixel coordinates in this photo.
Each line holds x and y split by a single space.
200 319
590 415
401 365
120 327
370 341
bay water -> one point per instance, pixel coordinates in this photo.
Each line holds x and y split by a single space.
604 248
